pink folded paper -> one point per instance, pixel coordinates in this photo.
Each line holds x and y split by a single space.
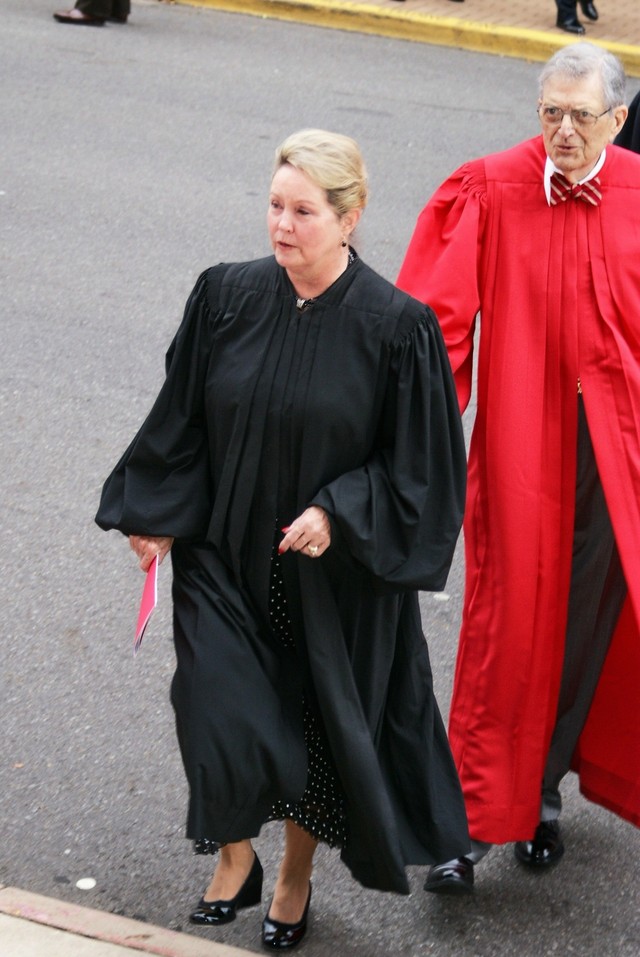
147 603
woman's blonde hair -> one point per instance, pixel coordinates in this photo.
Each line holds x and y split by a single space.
332 161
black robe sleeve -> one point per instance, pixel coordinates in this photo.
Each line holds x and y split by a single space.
162 483
400 514
629 135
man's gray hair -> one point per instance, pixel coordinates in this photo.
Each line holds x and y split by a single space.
579 60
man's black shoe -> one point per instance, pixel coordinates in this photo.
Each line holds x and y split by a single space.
454 877
589 9
545 849
570 24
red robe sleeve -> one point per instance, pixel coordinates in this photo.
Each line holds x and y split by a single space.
441 266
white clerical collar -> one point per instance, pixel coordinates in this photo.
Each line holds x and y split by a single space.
550 168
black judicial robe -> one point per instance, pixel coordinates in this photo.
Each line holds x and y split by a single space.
266 409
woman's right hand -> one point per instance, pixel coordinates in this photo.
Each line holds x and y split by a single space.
147 547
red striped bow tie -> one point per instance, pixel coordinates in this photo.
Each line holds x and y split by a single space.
562 190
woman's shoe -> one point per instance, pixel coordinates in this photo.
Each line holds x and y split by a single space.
222 912
279 936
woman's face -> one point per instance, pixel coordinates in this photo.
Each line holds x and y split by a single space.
305 231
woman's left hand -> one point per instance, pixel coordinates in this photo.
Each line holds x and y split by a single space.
310 533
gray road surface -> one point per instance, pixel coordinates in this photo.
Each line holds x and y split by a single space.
132 158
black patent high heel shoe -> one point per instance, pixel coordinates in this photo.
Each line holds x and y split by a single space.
279 936
223 912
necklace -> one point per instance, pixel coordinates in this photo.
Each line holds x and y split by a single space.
301 304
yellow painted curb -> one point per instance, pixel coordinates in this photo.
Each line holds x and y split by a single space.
418 27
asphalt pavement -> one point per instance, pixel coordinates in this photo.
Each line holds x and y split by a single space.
38 925
501 27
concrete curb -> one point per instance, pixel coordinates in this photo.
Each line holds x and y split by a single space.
418 27
109 928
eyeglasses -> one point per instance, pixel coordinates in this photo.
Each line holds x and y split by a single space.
580 119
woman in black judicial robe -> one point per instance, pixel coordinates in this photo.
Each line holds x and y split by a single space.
304 462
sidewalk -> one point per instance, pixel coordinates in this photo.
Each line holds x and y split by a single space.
503 27
35 926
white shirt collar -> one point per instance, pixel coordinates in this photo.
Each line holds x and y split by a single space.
550 168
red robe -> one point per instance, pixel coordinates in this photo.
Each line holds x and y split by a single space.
558 289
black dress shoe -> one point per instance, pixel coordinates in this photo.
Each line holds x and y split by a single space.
454 877
570 24
222 912
589 9
77 16
546 847
279 936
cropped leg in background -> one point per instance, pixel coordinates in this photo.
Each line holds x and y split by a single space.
95 12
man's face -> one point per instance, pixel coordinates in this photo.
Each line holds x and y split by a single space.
574 147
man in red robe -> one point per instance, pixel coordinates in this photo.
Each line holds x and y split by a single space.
543 240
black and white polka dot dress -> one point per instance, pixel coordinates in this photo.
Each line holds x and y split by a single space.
321 810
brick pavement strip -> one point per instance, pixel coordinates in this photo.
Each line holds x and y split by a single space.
93 925
495 30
